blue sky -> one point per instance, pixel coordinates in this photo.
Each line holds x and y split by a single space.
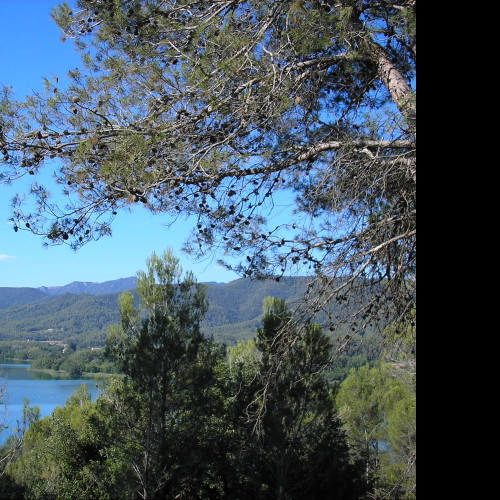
30 49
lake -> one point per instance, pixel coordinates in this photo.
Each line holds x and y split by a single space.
41 390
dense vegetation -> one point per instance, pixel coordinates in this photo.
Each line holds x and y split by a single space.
191 419
79 324
18 296
68 318
235 311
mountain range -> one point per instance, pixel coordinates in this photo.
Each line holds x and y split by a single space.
81 312
106 288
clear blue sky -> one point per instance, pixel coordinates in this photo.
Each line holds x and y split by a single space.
30 49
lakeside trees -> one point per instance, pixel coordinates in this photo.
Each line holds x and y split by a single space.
189 420
220 109
181 424
378 406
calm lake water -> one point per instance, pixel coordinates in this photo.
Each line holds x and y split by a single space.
40 389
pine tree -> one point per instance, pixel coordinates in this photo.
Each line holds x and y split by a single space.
222 109
171 405
301 447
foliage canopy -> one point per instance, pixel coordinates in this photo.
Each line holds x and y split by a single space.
221 109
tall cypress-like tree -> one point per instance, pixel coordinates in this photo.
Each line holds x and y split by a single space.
171 366
300 450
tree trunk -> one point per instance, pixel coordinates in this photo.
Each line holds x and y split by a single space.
397 86
400 91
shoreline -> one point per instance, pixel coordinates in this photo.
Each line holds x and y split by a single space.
60 373
65 374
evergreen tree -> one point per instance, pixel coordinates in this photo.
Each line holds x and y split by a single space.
172 407
378 407
300 448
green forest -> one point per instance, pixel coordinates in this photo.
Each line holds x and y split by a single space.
284 133
235 311
67 333
189 418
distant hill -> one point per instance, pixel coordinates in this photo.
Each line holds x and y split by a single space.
65 313
106 288
236 308
65 317
18 296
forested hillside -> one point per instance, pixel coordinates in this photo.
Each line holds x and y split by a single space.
235 310
83 320
18 296
60 318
